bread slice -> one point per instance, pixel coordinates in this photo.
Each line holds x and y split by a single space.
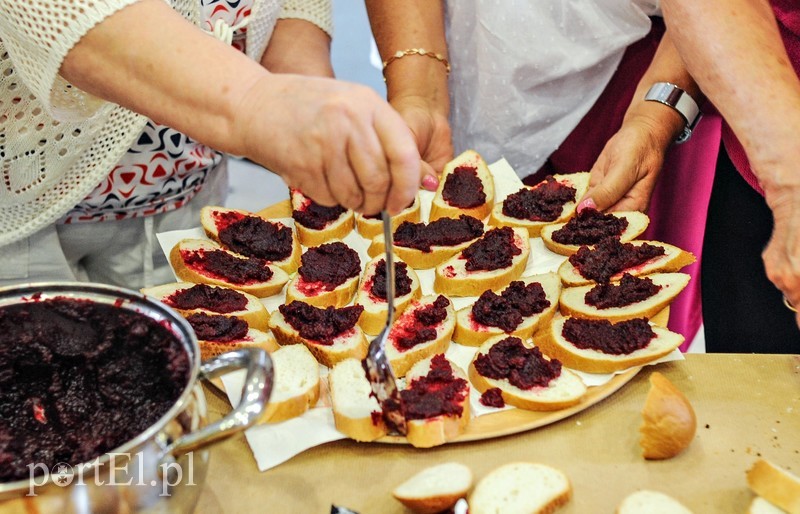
573 300
555 346
217 334
651 502
471 160
317 293
761 506
332 231
254 312
637 223
776 485
356 412
435 488
373 319
580 181
565 390
189 258
254 339
453 279
405 325
470 332
673 259
214 219
295 388
668 420
371 227
520 488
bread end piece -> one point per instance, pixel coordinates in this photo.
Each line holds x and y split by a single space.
776 485
436 488
669 422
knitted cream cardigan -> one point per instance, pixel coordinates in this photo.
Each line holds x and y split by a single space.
58 142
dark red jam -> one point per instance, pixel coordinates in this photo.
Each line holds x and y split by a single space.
544 202
439 393
463 188
256 237
610 257
442 232
523 367
507 310
495 250
79 379
493 397
589 227
217 328
331 264
221 264
318 324
202 296
622 338
402 282
316 216
630 290
420 327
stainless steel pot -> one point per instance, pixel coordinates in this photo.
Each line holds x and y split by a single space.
163 469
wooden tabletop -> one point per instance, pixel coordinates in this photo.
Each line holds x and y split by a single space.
747 406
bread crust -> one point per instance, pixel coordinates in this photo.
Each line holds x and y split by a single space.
373 319
435 497
668 420
439 206
369 228
254 339
333 231
418 259
637 223
340 296
775 484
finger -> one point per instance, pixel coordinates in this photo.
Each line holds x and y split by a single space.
370 169
402 157
341 179
430 180
309 183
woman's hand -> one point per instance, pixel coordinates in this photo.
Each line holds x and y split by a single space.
431 130
782 255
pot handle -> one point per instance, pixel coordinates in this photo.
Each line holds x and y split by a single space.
255 394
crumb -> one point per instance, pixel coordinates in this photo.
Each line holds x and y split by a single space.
758 454
708 426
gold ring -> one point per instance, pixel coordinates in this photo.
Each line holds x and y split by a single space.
788 304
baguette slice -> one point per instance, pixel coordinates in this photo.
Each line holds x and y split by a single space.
520 488
316 293
651 502
334 230
401 360
214 219
470 159
356 411
296 385
580 181
637 223
436 488
200 248
554 345
373 319
761 506
776 485
561 392
573 302
470 332
453 279
254 313
217 334
371 227
253 339
674 259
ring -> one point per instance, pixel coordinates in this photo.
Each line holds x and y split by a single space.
788 304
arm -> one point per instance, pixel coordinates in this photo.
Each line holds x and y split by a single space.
298 46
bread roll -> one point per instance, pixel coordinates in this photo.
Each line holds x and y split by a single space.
668 420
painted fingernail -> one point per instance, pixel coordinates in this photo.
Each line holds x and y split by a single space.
430 182
588 203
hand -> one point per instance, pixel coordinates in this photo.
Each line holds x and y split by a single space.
782 255
431 130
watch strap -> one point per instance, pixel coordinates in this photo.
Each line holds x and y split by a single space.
673 96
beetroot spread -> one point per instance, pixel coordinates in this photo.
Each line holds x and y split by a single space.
630 290
620 339
402 282
462 188
202 296
589 227
495 250
217 328
610 257
221 264
442 232
78 379
493 397
316 216
439 393
420 326
320 325
506 311
544 202
331 264
256 237
523 367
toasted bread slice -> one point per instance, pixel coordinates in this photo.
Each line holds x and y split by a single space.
373 319
775 484
590 360
333 230
258 238
573 299
520 488
356 411
304 286
435 488
408 325
637 223
470 332
652 502
453 279
371 227
579 181
295 388
469 167
190 261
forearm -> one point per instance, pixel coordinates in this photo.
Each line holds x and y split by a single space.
298 46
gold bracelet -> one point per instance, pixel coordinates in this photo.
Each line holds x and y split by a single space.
415 51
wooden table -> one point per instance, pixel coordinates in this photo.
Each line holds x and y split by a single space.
747 406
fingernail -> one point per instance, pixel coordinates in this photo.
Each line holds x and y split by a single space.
430 182
587 203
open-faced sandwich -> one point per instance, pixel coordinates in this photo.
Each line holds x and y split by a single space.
328 275
466 187
372 293
218 334
424 329
590 226
317 224
370 226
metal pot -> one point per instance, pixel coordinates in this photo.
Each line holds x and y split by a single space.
163 469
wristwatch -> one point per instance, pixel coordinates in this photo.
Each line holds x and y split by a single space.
675 97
